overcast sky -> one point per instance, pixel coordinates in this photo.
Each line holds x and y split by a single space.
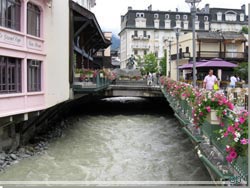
108 12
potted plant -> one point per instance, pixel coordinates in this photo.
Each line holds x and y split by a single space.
78 73
210 106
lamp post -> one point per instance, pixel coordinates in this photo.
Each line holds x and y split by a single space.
170 40
177 32
193 4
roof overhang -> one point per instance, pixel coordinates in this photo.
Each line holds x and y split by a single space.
84 21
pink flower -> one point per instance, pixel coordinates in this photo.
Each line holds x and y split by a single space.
201 113
228 148
229 158
225 135
244 141
222 124
208 109
236 124
230 129
230 106
233 154
242 120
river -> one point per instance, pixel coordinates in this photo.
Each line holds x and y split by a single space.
115 140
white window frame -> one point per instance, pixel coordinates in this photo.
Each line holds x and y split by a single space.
156 16
205 18
219 15
177 17
167 16
242 17
185 17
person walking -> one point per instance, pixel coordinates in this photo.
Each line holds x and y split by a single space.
210 80
233 81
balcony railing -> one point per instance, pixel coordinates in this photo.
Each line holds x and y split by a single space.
141 37
137 46
223 55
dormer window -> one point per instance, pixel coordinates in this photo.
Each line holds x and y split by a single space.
156 16
219 16
205 18
139 15
196 18
185 17
231 15
167 16
242 17
177 17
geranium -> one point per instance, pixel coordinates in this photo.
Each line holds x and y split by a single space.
207 101
236 135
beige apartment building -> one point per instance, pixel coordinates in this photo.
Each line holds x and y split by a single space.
228 46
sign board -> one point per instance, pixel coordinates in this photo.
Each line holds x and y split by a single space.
10 38
34 44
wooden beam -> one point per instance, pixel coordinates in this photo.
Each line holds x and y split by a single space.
81 28
80 19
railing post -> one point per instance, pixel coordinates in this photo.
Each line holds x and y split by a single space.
98 80
246 102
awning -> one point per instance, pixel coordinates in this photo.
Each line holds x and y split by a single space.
216 62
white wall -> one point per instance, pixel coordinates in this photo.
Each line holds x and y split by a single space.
56 35
88 4
155 43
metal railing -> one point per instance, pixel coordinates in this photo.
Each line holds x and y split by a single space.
184 113
91 84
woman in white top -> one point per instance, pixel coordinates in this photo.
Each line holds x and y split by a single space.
233 80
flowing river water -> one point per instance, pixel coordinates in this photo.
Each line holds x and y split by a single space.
117 140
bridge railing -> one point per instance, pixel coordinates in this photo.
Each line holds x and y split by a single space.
212 132
91 84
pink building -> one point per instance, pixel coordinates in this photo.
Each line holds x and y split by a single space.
22 56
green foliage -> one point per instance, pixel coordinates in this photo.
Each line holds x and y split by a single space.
150 63
242 71
140 64
244 30
163 65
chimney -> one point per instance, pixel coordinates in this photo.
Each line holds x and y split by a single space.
243 7
150 7
129 8
207 8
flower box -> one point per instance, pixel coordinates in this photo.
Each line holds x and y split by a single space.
212 118
77 75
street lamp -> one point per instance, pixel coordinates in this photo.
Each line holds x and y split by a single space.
177 30
193 4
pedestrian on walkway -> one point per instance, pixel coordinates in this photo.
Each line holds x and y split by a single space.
233 81
210 80
149 79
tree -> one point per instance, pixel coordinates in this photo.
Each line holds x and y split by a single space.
163 65
242 71
150 63
140 64
244 30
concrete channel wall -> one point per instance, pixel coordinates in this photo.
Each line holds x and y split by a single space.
19 129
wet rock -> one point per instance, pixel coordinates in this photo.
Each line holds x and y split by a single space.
2 156
13 156
2 162
21 150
